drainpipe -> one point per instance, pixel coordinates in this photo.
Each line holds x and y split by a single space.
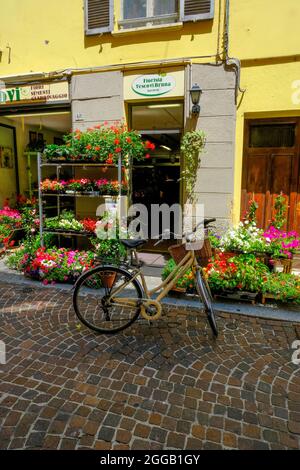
231 61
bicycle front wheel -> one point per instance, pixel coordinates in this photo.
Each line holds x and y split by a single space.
205 294
107 299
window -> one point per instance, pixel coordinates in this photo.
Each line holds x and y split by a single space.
138 13
143 12
99 16
272 135
133 9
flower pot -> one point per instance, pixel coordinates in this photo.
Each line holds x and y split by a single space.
230 254
285 263
107 278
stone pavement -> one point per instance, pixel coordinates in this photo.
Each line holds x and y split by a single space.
169 385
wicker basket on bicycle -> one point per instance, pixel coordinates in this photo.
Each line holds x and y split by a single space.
203 255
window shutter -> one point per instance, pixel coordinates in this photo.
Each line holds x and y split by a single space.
99 16
193 10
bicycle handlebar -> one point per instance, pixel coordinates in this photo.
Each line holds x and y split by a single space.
205 222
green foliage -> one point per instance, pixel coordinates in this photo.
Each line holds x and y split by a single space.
29 247
280 217
102 144
246 237
192 145
187 281
66 221
109 251
251 213
285 287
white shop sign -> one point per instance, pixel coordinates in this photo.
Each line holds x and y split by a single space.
154 84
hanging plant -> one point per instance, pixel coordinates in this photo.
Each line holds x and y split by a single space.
192 145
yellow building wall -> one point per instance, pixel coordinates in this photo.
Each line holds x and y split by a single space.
272 90
46 36
264 35
264 28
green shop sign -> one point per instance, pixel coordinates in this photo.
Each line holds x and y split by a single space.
36 93
153 84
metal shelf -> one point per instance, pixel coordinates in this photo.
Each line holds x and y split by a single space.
66 233
76 194
78 164
58 164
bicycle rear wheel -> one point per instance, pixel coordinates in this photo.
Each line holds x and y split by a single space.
107 299
205 294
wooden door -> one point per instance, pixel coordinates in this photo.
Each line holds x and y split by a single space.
268 171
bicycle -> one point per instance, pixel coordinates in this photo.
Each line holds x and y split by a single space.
109 298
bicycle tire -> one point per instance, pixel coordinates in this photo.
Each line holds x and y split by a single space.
205 294
80 284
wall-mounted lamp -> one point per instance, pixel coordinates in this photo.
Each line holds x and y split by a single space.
195 93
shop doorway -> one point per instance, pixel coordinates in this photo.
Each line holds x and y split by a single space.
157 181
31 130
271 165
9 178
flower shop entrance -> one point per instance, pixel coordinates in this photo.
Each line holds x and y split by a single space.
157 180
271 165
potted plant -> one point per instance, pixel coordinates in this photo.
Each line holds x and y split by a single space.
64 222
56 265
282 286
53 186
58 153
107 244
243 275
185 283
102 144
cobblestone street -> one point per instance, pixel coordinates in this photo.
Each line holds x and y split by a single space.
163 386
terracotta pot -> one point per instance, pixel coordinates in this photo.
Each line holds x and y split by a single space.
108 278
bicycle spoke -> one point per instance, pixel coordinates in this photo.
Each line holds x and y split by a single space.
104 299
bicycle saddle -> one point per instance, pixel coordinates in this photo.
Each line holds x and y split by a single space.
131 244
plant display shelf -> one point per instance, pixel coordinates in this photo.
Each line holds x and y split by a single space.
238 295
58 164
79 194
71 163
67 233
267 296
29 156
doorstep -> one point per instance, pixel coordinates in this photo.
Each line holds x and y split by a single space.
290 313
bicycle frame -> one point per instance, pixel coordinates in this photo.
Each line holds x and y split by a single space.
189 261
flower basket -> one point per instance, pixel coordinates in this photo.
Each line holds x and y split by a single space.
178 252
